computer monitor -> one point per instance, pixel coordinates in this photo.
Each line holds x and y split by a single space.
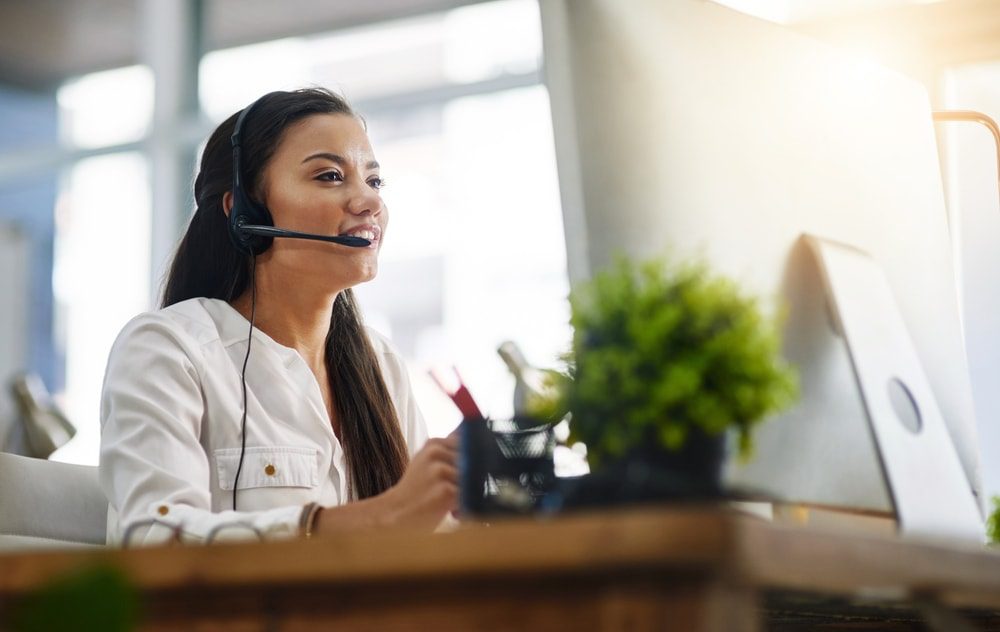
687 128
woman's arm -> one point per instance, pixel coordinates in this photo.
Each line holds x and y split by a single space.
153 467
425 494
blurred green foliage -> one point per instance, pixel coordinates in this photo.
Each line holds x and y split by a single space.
661 349
993 522
97 599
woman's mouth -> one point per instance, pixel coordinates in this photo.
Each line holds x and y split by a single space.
371 232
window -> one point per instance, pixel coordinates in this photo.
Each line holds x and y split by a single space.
460 122
475 251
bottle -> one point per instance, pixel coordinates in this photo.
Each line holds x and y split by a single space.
529 382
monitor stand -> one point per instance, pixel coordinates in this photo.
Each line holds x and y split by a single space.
928 487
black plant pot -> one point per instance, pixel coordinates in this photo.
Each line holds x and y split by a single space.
648 474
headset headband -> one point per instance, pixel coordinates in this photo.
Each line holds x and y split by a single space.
245 210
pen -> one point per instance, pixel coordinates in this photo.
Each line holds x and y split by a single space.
460 395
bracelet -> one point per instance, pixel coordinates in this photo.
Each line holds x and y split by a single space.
307 519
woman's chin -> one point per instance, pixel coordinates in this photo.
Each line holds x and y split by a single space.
364 272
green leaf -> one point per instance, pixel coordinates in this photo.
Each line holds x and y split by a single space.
993 522
660 348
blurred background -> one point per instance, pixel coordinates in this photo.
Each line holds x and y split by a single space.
104 105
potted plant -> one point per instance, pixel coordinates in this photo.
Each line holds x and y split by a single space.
666 361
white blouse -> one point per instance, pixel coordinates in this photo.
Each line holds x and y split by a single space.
171 409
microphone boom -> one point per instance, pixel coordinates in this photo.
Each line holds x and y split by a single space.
271 231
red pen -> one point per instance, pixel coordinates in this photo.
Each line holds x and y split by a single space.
460 395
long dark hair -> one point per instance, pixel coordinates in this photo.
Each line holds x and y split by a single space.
207 265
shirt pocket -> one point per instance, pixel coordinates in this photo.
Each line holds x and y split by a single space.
268 466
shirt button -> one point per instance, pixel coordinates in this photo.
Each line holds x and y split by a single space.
269 469
163 510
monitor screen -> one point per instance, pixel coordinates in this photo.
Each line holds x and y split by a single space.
688 129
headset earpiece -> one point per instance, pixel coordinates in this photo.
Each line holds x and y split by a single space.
245 211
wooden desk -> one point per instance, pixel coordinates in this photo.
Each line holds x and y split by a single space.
683 569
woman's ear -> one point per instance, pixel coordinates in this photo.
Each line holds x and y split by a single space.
227 202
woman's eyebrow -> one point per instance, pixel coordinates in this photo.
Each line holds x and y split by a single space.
337 159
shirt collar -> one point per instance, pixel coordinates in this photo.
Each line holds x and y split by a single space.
233 329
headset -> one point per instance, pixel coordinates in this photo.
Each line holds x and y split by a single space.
251 227
252 231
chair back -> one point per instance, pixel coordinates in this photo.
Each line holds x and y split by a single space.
47 504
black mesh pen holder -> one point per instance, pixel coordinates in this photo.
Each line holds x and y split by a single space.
505 465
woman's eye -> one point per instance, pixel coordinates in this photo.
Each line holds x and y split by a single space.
330 176
376 183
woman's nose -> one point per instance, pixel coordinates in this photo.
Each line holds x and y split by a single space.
364 199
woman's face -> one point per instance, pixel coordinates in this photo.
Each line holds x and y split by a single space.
323 178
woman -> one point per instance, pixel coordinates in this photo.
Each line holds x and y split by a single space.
209 431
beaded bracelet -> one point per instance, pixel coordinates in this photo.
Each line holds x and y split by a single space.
307 519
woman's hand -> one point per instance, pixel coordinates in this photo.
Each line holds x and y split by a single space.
428 489
425 494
